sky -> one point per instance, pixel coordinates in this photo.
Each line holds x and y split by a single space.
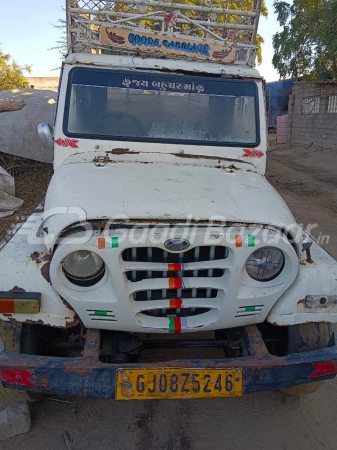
29 40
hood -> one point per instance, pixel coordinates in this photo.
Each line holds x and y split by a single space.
174 189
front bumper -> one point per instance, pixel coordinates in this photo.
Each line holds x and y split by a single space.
88 377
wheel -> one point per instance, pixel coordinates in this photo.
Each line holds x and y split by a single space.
304 338
10 337
302 389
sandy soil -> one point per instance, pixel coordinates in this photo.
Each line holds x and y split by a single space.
306 178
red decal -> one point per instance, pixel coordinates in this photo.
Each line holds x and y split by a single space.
18 377
323 369
222 54
177 325
67 142
176 303
174 267
251 153
171 19
175 283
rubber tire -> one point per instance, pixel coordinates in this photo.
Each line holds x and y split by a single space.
10 333
304 338
302 390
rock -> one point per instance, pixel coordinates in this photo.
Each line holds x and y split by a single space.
18 135
7 182
7 104
14 420
8 202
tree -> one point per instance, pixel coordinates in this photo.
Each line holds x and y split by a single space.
307 45
11 74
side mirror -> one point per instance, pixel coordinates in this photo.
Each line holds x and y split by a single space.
45 131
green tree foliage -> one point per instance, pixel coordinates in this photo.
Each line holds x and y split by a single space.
11 74
307 45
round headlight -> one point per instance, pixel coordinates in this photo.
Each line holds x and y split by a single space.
265 264
83 268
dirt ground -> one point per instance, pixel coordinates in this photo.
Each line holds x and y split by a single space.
307 179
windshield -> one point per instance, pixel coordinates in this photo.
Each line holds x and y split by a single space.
148 107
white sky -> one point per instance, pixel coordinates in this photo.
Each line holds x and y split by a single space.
31 37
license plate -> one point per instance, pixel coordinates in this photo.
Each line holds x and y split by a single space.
147 384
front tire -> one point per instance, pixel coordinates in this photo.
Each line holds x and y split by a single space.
307 337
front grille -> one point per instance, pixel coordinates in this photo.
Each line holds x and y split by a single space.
159 278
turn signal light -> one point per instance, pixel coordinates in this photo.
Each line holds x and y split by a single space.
20 302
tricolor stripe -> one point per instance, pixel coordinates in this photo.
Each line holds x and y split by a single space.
175 268
100 313
177 324
238 240
175 283
114 242
250 308
101 243
176 303
244 241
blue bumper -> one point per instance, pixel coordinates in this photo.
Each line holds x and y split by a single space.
88 377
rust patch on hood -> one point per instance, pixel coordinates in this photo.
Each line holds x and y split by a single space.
101 161
214 158
45 271
40 257
17 289
45 258
121 151
66 304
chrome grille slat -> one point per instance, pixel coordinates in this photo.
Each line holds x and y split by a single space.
181 260
195 273
149 272
134 258
165 260
210 271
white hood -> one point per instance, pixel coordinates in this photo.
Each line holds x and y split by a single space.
176 189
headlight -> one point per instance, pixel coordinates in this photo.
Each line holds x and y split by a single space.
265 264
83 268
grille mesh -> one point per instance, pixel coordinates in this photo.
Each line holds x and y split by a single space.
199 256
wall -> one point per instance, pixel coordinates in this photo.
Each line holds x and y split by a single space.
311 122
49 83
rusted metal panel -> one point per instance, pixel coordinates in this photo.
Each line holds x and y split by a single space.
24 267
89 377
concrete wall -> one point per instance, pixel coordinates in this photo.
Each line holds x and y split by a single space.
49 83
312 122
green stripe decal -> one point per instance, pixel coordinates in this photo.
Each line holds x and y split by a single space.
114 242
101 313
250 308
171 324
251 240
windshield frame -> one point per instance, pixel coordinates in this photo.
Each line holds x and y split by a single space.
191 78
